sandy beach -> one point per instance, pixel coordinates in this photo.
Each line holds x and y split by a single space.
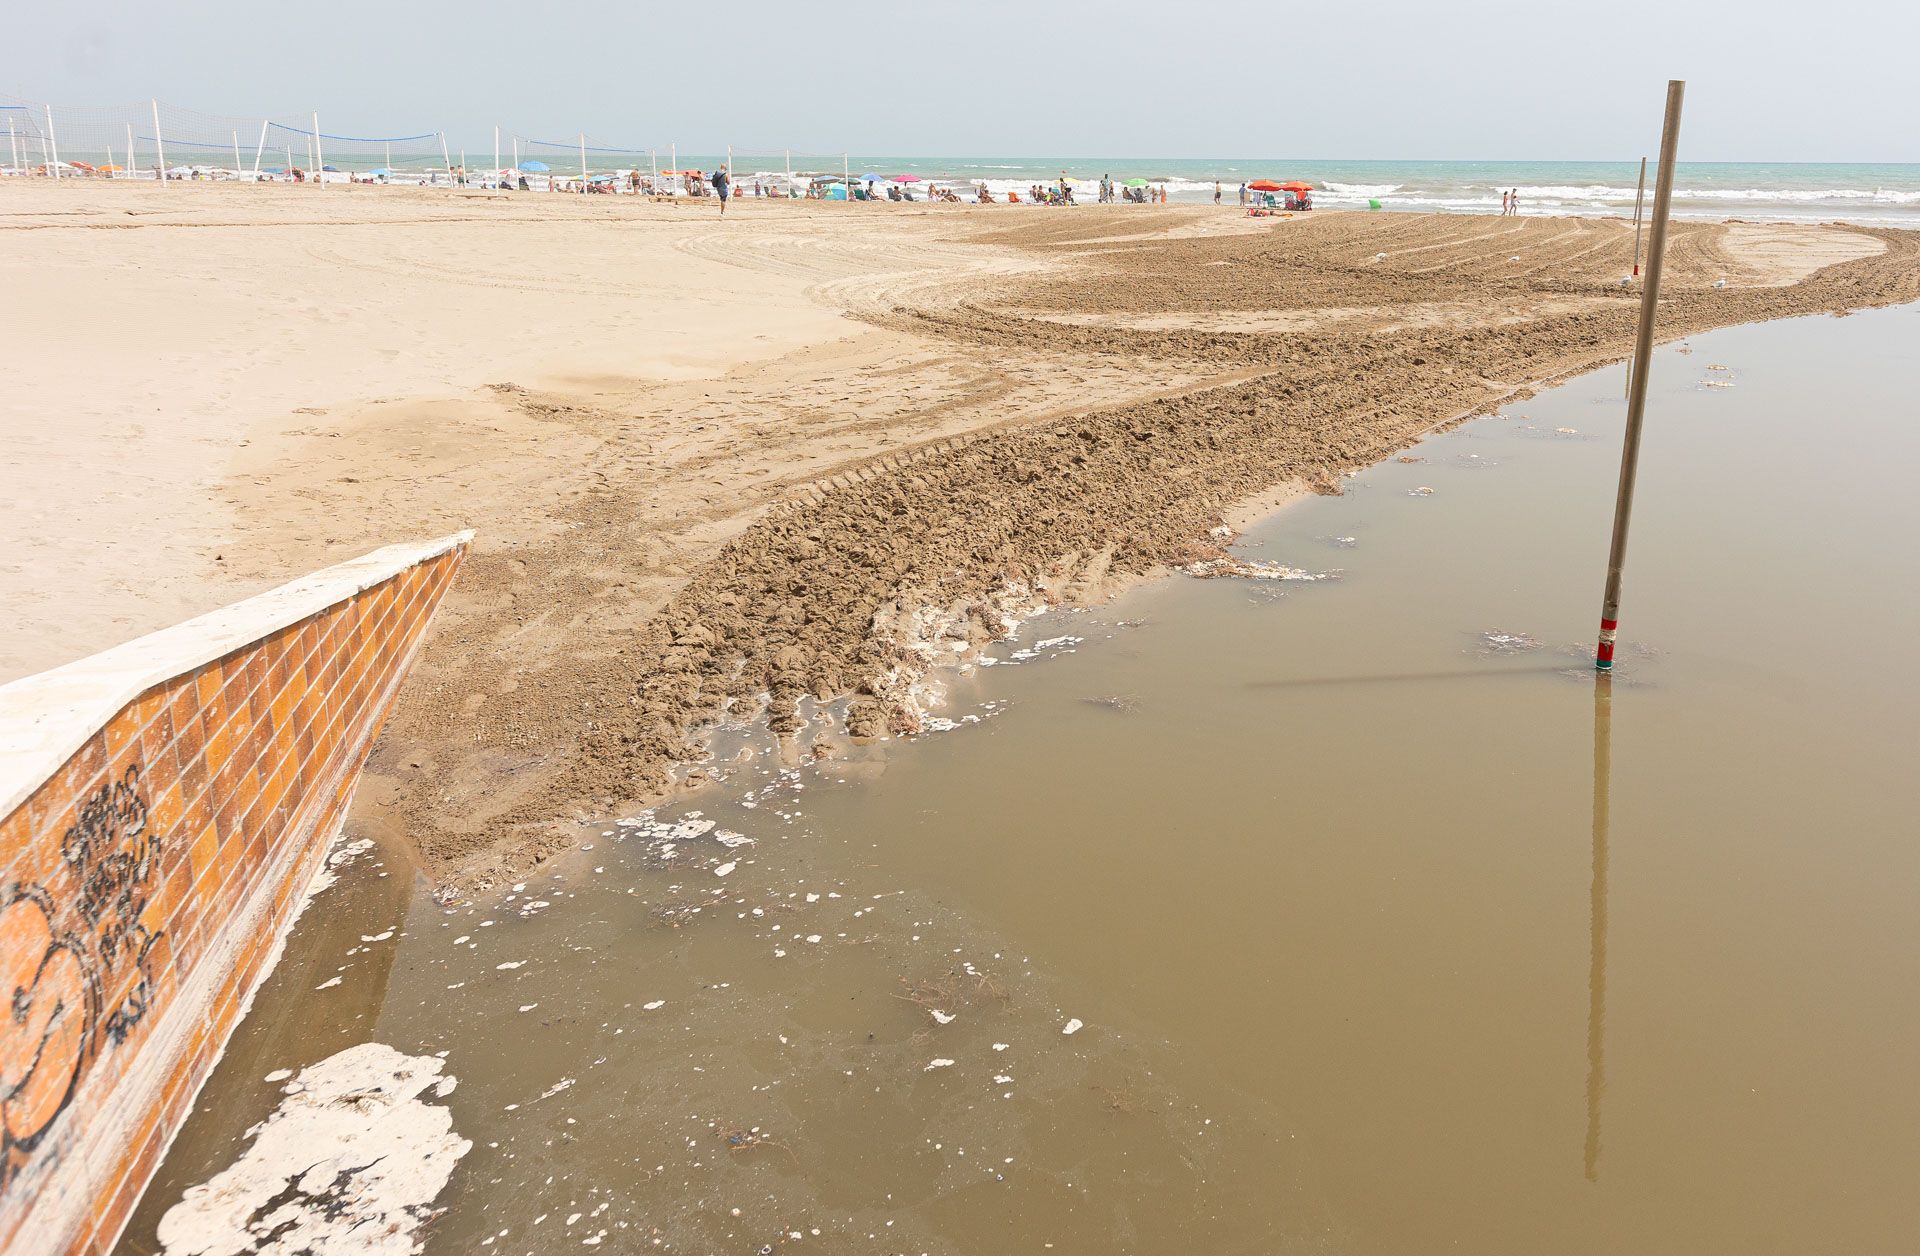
709 461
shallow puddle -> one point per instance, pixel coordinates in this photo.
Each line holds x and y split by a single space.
1376 926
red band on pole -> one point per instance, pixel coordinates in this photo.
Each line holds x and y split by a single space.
1608 625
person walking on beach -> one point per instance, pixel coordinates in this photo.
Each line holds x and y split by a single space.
1503 203
720 182
1513 203
1216 191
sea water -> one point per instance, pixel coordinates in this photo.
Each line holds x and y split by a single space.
1255 916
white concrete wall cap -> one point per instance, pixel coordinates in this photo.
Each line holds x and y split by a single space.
46 717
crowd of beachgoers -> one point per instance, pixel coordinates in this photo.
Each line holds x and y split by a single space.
538 177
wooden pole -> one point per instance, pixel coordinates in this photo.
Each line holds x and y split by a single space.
1637 396
1639 201
1639 204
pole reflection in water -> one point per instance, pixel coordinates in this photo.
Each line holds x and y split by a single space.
1597 946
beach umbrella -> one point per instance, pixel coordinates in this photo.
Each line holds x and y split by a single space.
1136 183
381 173
331 169
906 178
1296 187
1264 185
871 177
538 167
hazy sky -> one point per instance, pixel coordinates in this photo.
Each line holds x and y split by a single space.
1767 80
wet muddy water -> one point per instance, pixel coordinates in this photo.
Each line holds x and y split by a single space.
1383 929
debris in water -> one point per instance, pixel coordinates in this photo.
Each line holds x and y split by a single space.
934 1064
1251 569
940 1017
1072 1027
1125 703
724 869
1422 491
1497 642
352 1159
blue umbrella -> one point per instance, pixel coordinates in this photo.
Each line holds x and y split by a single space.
382 172
534 167
873 178
331 169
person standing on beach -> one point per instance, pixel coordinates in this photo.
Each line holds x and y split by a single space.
1513 203
720 182
1216 191
1503 203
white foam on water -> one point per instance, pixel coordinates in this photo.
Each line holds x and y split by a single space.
351 1160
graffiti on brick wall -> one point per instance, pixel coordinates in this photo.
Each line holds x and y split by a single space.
77 962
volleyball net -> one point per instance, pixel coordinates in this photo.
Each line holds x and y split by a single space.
140 140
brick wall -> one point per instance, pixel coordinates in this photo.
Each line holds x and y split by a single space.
167 805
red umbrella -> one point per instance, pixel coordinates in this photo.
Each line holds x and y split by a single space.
1296 187
1264 185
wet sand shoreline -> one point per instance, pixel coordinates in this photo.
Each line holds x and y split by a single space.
708 467
1076 511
